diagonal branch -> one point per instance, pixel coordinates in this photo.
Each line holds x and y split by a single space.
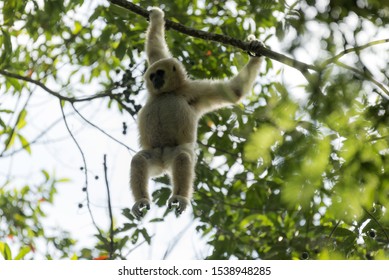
102 131
368 77
55 93
260 50
354 49
227 40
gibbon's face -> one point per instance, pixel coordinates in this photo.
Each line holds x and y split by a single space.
165 75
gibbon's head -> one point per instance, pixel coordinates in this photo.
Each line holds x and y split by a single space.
165 75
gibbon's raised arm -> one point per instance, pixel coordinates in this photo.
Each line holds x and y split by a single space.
209 95
156 47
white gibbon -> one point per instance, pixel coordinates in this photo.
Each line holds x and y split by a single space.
168 121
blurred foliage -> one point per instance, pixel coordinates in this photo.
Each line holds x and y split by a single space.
302 172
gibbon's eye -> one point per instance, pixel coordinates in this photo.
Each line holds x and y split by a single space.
152 75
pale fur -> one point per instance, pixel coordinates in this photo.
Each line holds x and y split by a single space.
168 121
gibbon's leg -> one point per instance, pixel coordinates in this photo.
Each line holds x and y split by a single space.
144 164
156 47
182 164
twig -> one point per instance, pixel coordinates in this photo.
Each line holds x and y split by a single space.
13 130
385 93
137 246
54 93
176 239
102 131
39 136
85 168
377 222
333 230
354 49
111 232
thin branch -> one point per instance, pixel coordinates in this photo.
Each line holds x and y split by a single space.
85 168
218 149
102 131
333 230
227 40
111 232
385 93
39 136
54 93
354 49
175 241
377 222
137 246
14 127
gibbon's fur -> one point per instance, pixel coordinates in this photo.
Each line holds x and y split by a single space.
168 121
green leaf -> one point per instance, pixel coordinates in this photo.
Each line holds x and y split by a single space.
260 143
10 141
5 251
21 120
46 174
23 252
145 235
25 143
77 27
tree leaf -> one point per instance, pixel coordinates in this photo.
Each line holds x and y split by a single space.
5 251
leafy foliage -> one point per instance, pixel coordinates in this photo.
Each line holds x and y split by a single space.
297 172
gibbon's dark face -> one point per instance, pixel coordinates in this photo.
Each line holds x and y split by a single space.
165 75
157 78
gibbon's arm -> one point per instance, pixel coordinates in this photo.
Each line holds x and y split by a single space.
156 47
209 95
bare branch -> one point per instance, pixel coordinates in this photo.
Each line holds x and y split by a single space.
54 93
13 130
85 168
102 131
368 77
354 49
111 232
227 40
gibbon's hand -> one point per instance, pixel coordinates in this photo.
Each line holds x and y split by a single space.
156 13
254 45
138 207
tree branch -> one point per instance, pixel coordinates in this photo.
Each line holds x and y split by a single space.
54 93
227 40
111 231
385 93
85 169
354 49
261 50
102 131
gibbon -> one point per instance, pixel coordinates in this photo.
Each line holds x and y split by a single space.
168 121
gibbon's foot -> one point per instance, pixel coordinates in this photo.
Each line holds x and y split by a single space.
180 202
156 13
138 207
254 45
